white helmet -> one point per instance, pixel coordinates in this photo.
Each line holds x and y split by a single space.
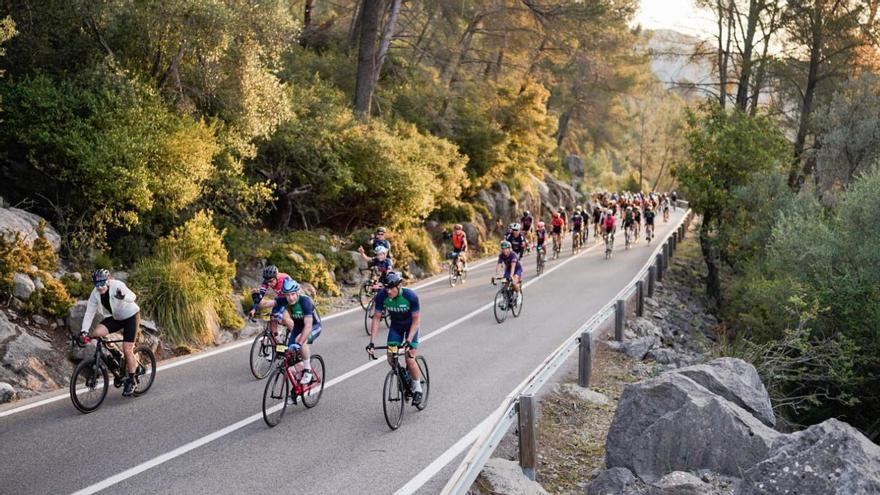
514 226
381 250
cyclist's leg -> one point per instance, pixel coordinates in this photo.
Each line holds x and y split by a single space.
129 334
411 364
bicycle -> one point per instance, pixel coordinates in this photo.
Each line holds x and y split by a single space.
368 317
397 390
542 259
609 245
629 237
287 376
368 288
666 214
263 353
457 270
575 242
89 381
557 245
506 300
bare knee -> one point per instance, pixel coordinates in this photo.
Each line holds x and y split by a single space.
100 331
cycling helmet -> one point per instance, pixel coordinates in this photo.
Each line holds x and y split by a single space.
100 276
270 272
380 230
458 226
381 250
629 208
289 286
527 213
505 245
515 226
540 225
555 214
392 280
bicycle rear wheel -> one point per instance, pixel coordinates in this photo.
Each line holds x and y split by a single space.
392 400
426 381
275 397
500 306
365 295
312 392
146 369
262 356
88 385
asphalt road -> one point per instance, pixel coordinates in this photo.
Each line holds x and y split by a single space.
199 429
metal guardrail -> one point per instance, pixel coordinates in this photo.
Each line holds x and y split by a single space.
509 411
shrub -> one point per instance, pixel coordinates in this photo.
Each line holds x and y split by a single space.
303 266
52 299
78 288
424 253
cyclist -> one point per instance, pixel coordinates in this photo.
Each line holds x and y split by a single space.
540 237
402 305
272 279
629 220
674 197
526 222
113 298
381 262
637 216
517 240
664 205
649 222
577 222
557 224
597 217
459 245
609 224
508 263
297 312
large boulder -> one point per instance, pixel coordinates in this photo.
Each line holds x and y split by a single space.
672 423
829 458
680 483
575 165
16 221
504 476
22 286
616 481
7 393
736 381
75 316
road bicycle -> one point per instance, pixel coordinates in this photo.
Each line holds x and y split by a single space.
457 270
507 300
575 242
90 381
542 259
263 353
609 245
397 390
369 287
628 234
557 245
284 387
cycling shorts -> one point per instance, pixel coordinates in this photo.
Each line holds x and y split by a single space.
129 326
397 337
316 332
557 229
518 271
576 227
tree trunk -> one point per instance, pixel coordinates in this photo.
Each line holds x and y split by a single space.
307 23
464 45
371 11
564 119
285 212
742 89
796 174
710 256
533 65
354 29
387 35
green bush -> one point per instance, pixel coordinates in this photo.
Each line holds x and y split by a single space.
52 299
17 256
78 288
303 266
424 253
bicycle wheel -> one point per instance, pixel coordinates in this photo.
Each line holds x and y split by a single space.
365 295
453 276
368 316
392 400
516 309
275 397
146 369
539 268
88 385
262 356
462 273
426 381
501 306
311 393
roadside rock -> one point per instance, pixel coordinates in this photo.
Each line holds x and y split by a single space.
680 483
22 286
17 221
639 347
75 316
643 327
504 476
829 458
584 394
616 481
575 165
7 393
121 276
40 320
672 423
736 381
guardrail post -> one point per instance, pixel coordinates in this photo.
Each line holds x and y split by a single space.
640 295
585 359
528 445
665 255
619 316
673 245
652 277
660 266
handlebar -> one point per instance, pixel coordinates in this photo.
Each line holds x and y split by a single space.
399 350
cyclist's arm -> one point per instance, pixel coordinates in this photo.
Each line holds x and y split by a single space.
91 309
416 322
259 295
278 308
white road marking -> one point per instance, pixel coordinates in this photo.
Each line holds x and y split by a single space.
183 449
220 350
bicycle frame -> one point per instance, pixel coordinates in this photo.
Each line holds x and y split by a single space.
291 359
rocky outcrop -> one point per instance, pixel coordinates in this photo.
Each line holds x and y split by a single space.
673 423
829 458
616 481
736 381
17 221
545 195
680 483
504 476
29 362
575 165
7 392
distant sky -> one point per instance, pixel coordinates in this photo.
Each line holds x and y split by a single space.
678 15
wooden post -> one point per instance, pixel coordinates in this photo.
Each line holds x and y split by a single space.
585 359
619 317
640 294
528 445
652 277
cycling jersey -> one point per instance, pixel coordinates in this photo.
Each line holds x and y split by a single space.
541 236
265 286
517 243
557 224
526 223
400 309
458 239
381 242
576 222
649 217
610 222
628 220
511 264
298 311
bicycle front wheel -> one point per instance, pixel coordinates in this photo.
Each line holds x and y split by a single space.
368 316
262 356
453 276
392 400
501 306
145 373
311 393
88 385
426 381
516 308
275 397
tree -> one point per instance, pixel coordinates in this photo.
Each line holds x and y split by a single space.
370 17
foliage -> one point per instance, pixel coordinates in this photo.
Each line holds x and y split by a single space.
17 256
53 299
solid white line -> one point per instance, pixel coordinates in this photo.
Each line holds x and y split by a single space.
230 347
183 449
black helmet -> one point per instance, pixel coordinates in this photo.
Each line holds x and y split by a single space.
100 275
270 272
527 213
392 280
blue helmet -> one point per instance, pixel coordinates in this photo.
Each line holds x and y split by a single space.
289 286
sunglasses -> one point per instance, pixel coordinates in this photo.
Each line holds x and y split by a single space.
98 285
